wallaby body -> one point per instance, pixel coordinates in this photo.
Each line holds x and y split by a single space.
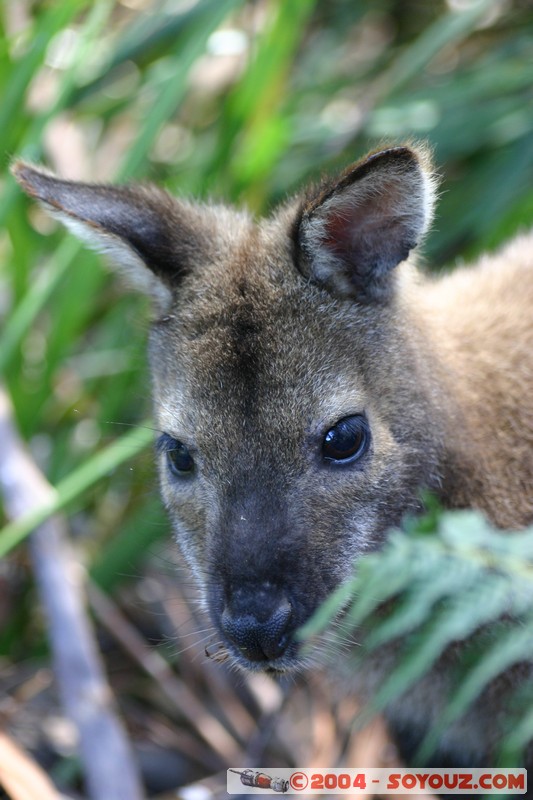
479 323
309 382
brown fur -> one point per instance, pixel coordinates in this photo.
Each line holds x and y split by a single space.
267 334
478 320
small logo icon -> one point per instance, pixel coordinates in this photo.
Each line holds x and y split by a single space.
259 780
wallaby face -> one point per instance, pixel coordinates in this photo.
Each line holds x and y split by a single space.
294 454
299 419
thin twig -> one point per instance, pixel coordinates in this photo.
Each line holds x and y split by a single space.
21 776
176 692
108 764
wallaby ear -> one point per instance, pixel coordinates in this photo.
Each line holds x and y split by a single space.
150 236
353 231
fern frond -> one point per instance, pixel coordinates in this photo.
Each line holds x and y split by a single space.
510 647
450 582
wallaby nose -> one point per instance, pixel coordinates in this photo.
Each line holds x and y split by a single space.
257 620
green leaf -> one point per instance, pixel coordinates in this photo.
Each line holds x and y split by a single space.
72 487
171 90
507 648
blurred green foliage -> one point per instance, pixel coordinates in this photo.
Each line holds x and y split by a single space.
238 100
448 578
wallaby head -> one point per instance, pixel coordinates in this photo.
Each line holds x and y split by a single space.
298 412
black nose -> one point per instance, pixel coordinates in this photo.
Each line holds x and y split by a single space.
257 620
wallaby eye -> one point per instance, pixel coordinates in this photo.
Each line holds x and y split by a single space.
179 459
347 441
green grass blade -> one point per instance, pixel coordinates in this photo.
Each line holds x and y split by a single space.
33 302
119 559
70 488
146 39
56 18
447 29
173 92
174 86
254 131
30 146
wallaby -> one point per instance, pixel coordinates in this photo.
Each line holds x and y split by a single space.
309 382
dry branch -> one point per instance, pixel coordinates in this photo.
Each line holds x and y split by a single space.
108 765
176 692
22 778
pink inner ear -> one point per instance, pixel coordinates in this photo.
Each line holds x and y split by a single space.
358 229
351 228
339 233
379 211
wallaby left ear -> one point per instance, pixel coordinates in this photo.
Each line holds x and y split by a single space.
152 238
354 230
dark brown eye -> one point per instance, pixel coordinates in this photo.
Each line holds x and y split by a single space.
179 459
347 441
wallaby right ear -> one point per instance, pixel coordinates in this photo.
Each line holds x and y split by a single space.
354 230
152 237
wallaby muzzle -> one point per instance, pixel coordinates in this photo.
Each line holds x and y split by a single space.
257 620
